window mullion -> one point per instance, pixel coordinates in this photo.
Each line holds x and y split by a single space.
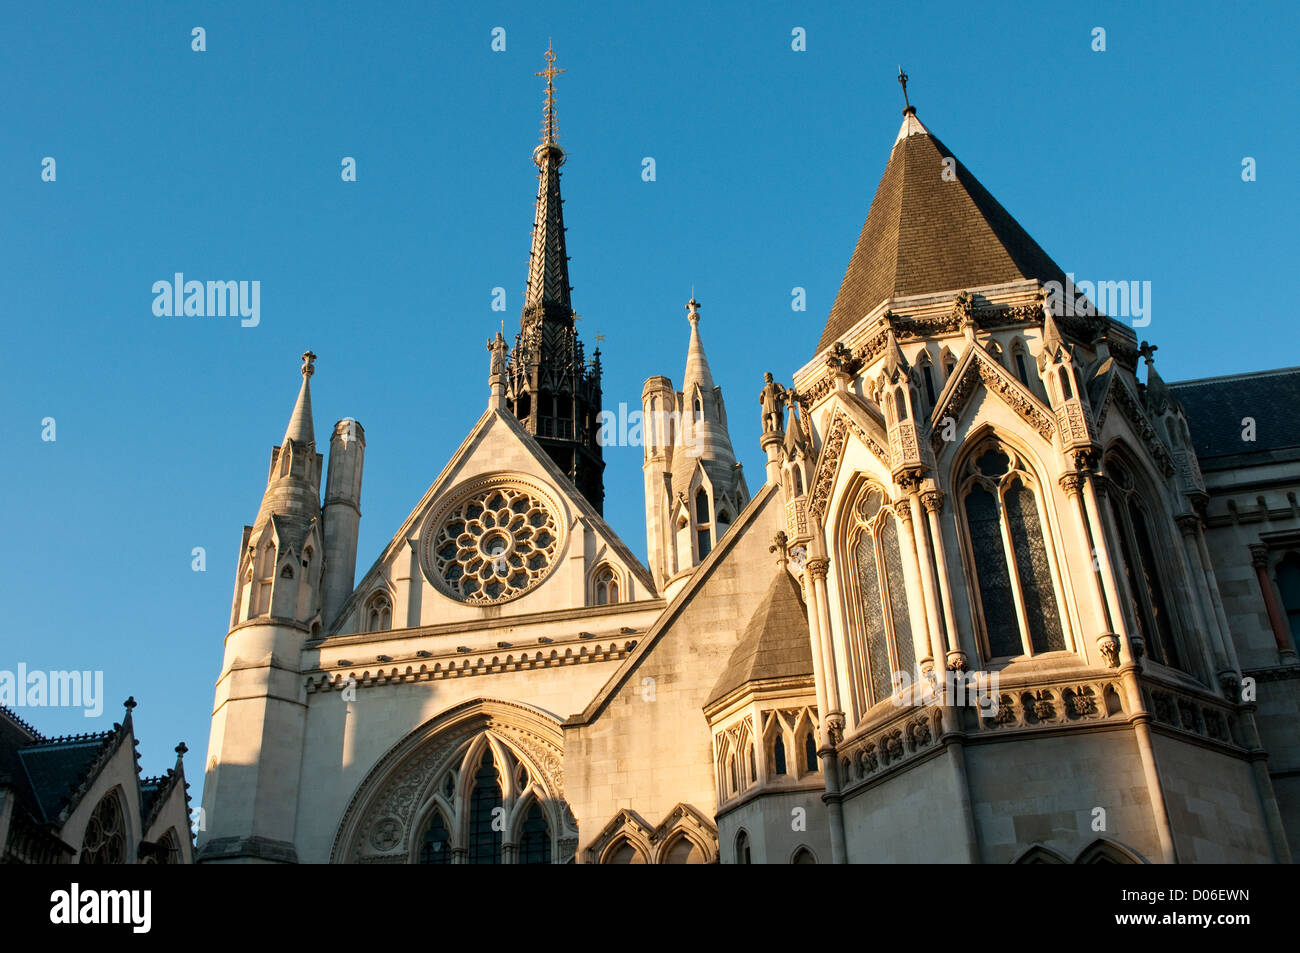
1013 568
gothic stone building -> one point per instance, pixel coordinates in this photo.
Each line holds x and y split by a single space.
80 799
996 599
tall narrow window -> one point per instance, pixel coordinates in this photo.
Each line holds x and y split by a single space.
535 838
927 374
1067 392
742 848
778 754
884 644
379 613
606 586
1021 371
484 835
810 752
435 847
1288 584
703 520
1010 559
1146 591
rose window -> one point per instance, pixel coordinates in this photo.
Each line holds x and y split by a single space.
494 545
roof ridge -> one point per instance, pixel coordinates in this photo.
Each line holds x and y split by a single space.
21 723
1275 372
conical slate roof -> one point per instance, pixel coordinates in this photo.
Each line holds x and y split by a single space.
775 643
927 232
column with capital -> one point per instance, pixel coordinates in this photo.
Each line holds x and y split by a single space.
1276 617
955 658
1107 640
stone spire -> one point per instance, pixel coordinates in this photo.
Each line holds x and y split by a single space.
300 424
548 264
550 386
293 484
702 436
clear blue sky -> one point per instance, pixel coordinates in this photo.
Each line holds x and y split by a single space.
225 165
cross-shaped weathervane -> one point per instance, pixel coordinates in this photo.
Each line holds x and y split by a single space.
902 79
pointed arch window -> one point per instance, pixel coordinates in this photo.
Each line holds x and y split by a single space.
535 837
379 612
606 585
703 523
884 643
778 754
742 848
1013 581
265 574
104 841
435 846
810 752
1146 590
1288 584
485 814
1022 368
803 856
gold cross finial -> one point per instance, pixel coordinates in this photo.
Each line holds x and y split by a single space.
548 121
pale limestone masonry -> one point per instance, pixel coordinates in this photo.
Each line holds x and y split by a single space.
1004 596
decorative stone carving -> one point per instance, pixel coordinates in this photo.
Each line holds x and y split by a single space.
1108 646
1071 483
957 661
496 542
772 399
932 500
818 566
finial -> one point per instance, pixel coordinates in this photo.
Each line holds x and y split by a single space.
548 121
308 360
180 750
1147 351
693 308
908 108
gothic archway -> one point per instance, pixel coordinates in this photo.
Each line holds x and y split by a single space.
480 783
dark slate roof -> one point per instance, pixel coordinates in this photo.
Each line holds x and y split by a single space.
56 769
1216 406
774 644
926 235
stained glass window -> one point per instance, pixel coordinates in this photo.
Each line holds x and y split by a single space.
886 640
905 652
994 581
873 618
1032 567
1011 559
435 848
535 838
485 815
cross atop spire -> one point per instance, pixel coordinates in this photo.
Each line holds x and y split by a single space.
548 113
308 364
908 108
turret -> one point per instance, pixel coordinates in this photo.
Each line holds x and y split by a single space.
250 795
1171 423
342 514
706 485
1066 394
898 396
659 419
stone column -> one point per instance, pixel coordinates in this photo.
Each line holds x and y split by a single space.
955 658
1189 524
815 638
1107 642
917 579
1215 600
817 567
1093 496
1276 617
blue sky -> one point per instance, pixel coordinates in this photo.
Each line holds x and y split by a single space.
1123 164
